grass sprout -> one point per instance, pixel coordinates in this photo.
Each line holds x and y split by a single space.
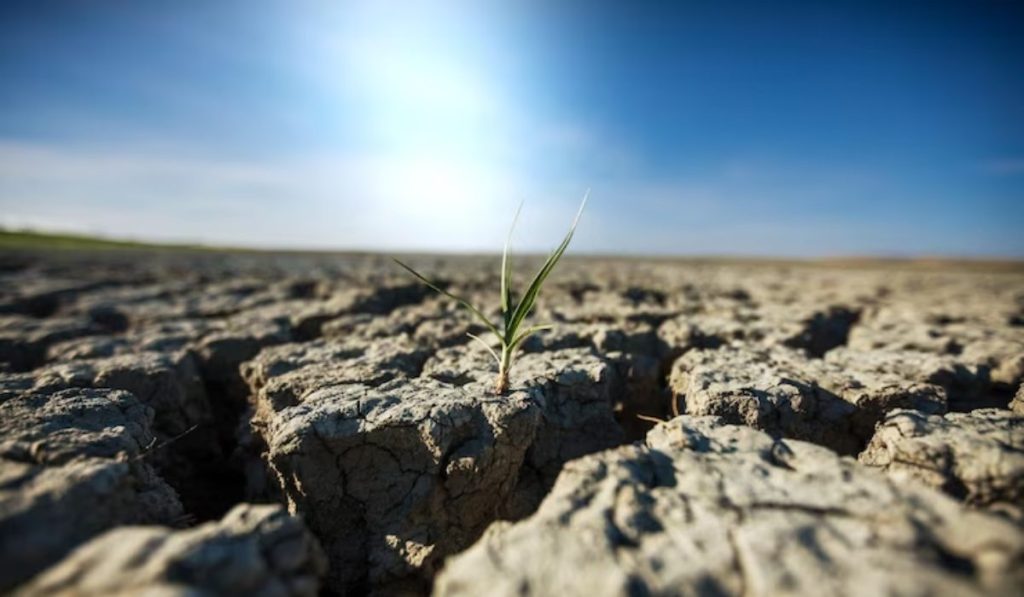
512 330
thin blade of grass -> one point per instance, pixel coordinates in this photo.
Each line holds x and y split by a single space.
514 346
463 302
650 419
487 346
506 274
530 296
533 329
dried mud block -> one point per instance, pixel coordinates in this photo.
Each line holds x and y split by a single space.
169 384
977 457
58 427
803 327
708 508
621 337
192 431
71 467
431 322
190 298
974 341
164 336
706 330
605 306
579 391
785 394
25 340
253 550
245 334
281 376
41 294
385 298
304 319
888 332
1017 404
966 385
395 477
1004 356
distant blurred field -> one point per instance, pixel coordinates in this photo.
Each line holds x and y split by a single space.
28 240
24 239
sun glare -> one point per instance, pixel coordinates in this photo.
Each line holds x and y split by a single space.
424 83
433 110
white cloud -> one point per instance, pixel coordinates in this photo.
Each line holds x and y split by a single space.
414 200
336 200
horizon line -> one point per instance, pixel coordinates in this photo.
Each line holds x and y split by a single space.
129 243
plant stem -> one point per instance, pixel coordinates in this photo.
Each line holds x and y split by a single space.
501 383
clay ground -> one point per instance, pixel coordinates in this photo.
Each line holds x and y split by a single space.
288 424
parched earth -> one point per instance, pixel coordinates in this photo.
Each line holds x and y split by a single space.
203 423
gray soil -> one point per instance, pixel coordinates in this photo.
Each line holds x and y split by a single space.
177 423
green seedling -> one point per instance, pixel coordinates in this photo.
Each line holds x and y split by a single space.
512 331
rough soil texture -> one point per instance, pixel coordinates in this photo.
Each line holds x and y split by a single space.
835 403
254 550
72 466
977 457
401 471
153 388
709 508
1017 404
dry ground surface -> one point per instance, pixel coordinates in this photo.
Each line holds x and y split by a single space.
205 423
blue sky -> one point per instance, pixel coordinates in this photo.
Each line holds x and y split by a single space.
754 128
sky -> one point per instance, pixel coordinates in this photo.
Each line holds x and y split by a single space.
701 128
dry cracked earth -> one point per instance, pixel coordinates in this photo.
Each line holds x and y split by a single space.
208 424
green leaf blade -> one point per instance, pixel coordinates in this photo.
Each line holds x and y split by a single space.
461 301
510 337
533 329
530 296
506 274
485 345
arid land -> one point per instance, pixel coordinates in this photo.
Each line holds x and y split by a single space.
291 424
